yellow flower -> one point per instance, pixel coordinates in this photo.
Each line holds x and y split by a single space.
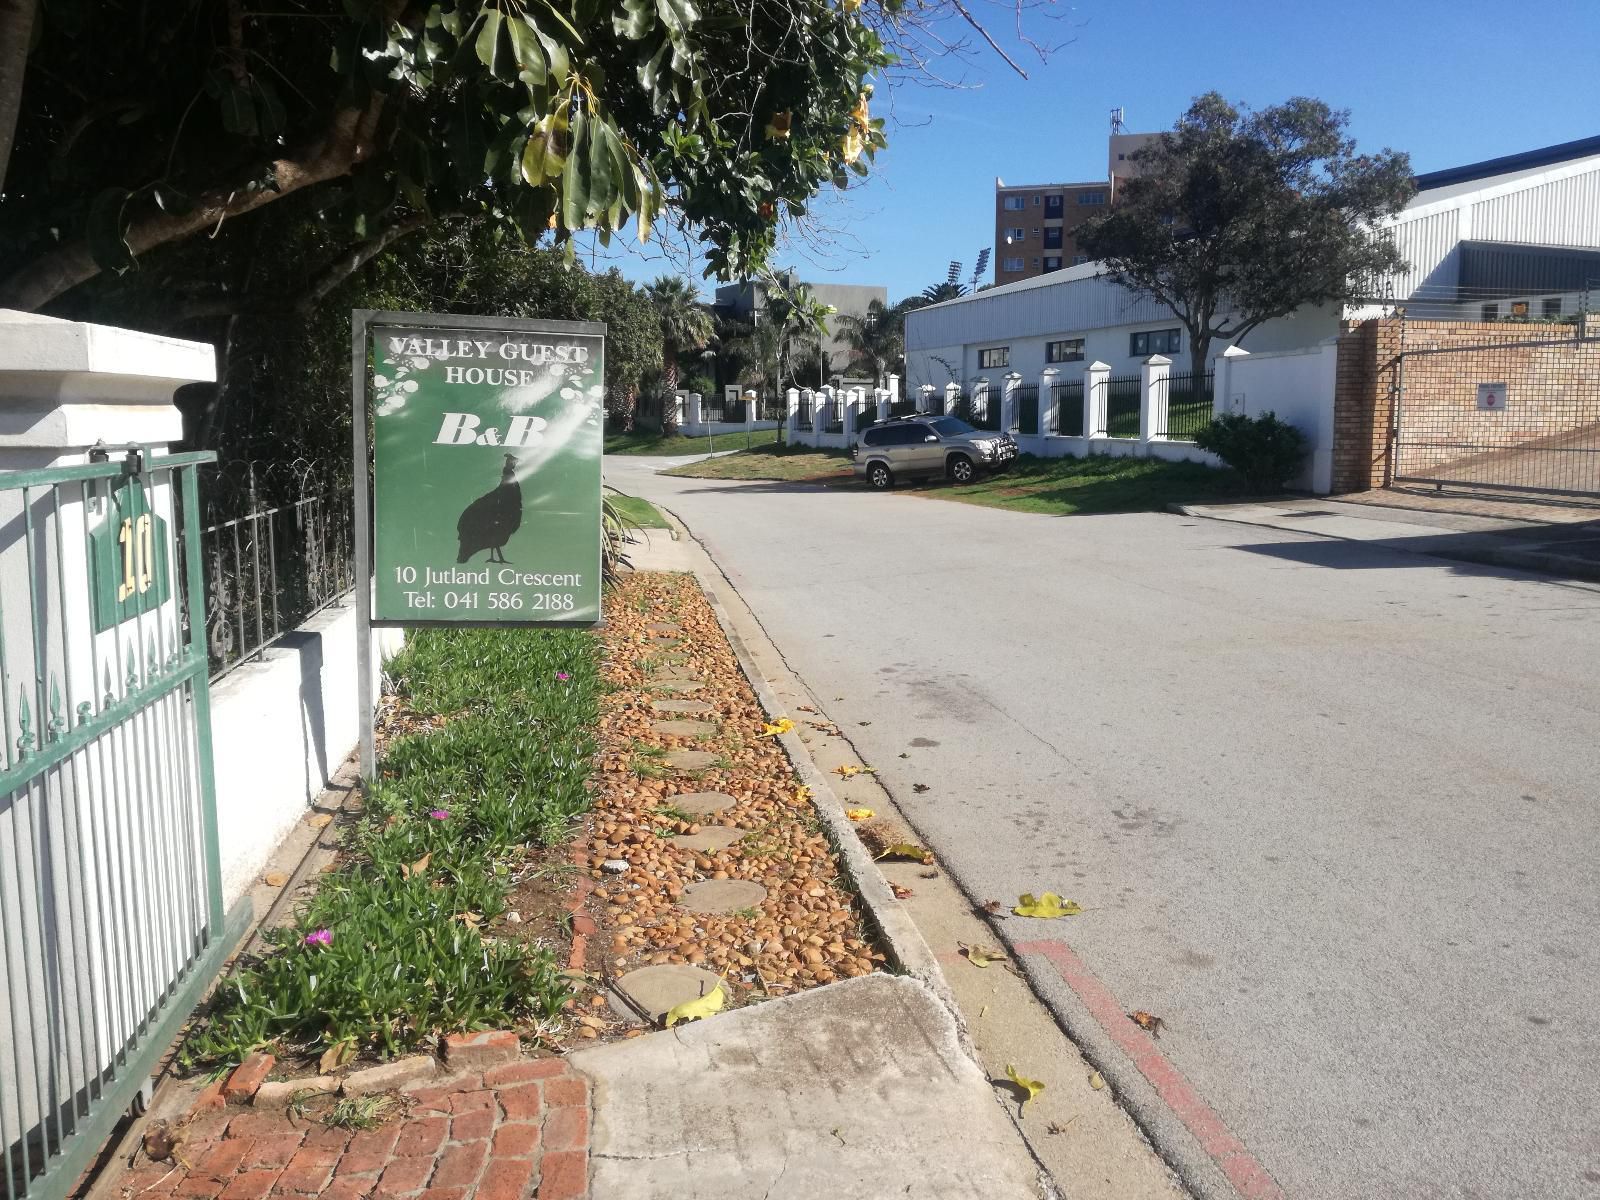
850 6
855 138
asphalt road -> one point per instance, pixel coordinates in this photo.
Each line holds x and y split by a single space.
1333 810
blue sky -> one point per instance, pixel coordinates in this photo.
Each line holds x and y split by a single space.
1450 81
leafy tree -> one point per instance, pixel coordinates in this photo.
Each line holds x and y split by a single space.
876 339
144 125
1235 218
686 326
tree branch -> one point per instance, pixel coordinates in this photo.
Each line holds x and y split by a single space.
984 33
347 142
353 259
16 34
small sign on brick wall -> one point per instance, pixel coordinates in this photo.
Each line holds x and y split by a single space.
1491 397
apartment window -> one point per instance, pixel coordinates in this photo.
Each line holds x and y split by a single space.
994 356
1052 262
1155 341
1489 312
1014 203
1052 238
1015 234
1550 306
1011 264
1036 201
1036 263
1035 231
1079 259
1064 351
1091 197
1052 206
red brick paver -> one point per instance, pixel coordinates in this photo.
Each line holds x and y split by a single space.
516 1131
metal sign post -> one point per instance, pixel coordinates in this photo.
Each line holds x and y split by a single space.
485 502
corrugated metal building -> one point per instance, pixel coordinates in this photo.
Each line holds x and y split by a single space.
1514 236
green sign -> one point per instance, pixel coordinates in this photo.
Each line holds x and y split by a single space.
486 470
128 570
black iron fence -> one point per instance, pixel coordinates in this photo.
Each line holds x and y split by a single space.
1027 396
1069 408
1122 406
903 407
1188 404
277 547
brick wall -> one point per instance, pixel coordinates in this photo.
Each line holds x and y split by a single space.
1554 390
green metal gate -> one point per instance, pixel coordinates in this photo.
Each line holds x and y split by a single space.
111 915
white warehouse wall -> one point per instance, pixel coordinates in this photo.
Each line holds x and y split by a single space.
1298 386
280 727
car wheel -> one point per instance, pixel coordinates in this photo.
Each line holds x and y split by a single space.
961 469
880 477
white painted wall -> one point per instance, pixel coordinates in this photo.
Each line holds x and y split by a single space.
280 727
1297 385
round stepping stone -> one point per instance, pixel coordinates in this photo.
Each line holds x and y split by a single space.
689 708
710 837
690 760
665 628
677 685
722 895
700 804
675 672
670 644
689 729
676 659
659 989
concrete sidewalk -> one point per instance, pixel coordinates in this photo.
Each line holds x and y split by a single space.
856 1091
1569 549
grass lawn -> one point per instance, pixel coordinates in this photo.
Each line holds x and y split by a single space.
1061 486
645 441
637 512
794 463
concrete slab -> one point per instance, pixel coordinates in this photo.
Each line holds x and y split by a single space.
699 804
659 988
688 729
722 895
676 685
689 760
664 628
710 837
689 708
855 1091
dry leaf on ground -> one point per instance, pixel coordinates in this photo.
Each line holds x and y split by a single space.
900 892
336 1055
919 787
981 955
1096 1080
860 814
275 879
1046 906
1148 1022
1031 1086
909 851
418 867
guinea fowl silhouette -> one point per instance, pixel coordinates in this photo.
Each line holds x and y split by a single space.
490 520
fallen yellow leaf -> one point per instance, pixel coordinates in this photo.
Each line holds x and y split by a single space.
908 850
418 867
1096 1080
336 1055
980 955
1047 905
1032 1086
275 879
860 814
783 725
802 793
847 771
320 820
694 1010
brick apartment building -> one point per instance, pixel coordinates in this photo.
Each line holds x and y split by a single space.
1034 223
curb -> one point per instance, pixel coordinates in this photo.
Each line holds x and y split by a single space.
909 953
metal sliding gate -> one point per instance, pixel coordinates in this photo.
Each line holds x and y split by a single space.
111 915
1515 416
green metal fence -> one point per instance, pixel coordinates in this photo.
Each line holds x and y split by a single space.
111 914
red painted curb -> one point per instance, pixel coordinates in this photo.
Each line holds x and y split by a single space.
1243 1170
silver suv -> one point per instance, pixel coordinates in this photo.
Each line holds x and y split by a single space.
929 445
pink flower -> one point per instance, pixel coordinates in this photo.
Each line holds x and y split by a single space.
440 814
320 937
563 676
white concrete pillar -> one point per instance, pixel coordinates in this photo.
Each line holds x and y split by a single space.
882 397
692 408
823 413
852 404
1224 397
952 393
893 383
1096 383
1154 377
1010 418
1047 401
791 401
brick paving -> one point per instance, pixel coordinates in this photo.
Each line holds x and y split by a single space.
517 1131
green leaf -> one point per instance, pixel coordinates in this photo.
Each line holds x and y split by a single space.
525 49
633 19
489 38
106 230
238 111
469 148
574 184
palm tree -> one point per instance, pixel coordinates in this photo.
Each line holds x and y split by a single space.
937 292
876 338
685 325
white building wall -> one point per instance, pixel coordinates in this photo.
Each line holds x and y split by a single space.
1298 386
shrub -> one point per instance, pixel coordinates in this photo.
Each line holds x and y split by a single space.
1266 451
